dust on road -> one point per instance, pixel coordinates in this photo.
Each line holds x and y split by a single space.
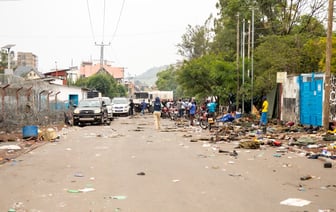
129 166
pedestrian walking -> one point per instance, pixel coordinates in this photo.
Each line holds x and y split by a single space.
131 107
157 113
192 111
143 107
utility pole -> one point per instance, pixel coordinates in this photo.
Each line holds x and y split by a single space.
243 66
326 105
248 44
56 69
102 52
252 65
237 61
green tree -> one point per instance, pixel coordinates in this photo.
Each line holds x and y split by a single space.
281 17
120 90
82 82
103 83
207 76
313 52
321 45
310 26
279 54
166 79
196 41
3 60
285 34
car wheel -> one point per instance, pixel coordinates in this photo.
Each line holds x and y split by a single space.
75 123
203 124
102 120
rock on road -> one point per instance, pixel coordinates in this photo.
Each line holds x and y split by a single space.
129 166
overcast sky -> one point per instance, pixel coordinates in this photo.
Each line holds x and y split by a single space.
60 32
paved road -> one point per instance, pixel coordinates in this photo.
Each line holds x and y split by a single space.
129 166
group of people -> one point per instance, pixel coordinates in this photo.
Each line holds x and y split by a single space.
190 108
156 112
143 107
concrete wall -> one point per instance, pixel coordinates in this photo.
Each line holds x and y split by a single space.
290 99
65 91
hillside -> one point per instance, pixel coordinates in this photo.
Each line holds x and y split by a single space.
149 77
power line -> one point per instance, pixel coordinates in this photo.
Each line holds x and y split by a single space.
104 20
91 25
120 13
117 25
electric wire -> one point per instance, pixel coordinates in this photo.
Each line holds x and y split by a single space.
117 26
91 25
104 21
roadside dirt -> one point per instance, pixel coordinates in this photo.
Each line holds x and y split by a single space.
130 166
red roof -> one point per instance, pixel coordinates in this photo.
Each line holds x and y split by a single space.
89 69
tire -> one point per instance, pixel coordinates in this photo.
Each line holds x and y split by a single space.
76 123
102 120
203 124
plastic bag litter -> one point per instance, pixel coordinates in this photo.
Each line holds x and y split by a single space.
295 202
226 118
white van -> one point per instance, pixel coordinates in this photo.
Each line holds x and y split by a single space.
120 106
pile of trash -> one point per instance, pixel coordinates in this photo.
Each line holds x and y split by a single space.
315 141
20 142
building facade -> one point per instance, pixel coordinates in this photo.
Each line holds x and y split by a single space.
27 59
88 69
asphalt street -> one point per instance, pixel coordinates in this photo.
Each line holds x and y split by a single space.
131 167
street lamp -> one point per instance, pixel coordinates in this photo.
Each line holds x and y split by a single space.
8 47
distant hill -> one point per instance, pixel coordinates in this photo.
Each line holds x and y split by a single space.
149 77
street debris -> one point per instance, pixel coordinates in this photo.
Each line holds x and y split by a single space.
83 190
78 174
73 191
327 165
118 197
17 207
307 141
235 175
10 147
141 173
306 177
295 202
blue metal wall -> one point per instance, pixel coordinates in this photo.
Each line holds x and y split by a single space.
311 93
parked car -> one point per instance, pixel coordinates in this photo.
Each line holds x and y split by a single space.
108 103
120 106
91 111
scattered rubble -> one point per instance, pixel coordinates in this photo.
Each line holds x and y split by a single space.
13 144
314 142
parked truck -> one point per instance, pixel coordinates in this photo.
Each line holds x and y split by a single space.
149 97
